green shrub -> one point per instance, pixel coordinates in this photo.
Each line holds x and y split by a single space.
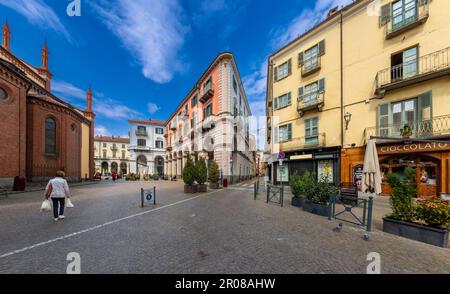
319 191
295 184
201 171
434 212
302 185
214 173
403 192
189 173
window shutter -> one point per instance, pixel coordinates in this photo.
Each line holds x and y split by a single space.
276 138
425 107
321 85
385 14
275 74
322 47
275 103
300 92
289 66
289 99
300 59
289 132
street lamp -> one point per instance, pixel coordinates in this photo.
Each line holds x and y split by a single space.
347 118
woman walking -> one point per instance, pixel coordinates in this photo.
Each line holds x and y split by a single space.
58 189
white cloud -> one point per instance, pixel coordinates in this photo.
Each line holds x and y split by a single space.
306 20
101 131
112 109
152 108
151 30
37 12
67 90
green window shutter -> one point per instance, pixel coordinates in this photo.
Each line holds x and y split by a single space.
322 47
288 99
275 103
425 107
276 138
383 120
289 66
321 85
301 90
289 132
275 74
301 58
385 14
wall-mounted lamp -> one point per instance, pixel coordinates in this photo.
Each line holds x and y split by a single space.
347 118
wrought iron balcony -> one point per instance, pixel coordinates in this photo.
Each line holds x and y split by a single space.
141 133
208 93
310 66
436 127
311 101
114 148
420 16
301 143
424 68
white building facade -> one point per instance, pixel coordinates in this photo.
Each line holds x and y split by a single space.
213 122
111 154
147 147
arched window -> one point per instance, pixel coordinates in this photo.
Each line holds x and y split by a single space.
50 136
3 94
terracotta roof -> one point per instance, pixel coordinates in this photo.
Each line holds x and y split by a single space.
148 122
112 139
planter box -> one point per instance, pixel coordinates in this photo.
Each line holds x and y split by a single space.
214 186
202 188
298 202
319 209
190 189
418 232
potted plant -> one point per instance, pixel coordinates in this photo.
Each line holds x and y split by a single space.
214 175
406 132
155 177
299 185
189 177
425 221
201 175
317 196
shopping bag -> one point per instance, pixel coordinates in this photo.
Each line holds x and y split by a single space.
69 203
46 206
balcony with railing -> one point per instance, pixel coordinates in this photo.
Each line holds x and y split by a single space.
310 66
437 127
413 16
207 93
114 148
424 68
314 100
301 143
141 133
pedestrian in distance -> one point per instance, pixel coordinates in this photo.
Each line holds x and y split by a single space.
58 190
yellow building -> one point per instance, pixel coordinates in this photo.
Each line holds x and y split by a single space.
379 65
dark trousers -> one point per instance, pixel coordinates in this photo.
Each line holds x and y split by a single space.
57 211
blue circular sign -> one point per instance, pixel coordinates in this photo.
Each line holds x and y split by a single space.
149 197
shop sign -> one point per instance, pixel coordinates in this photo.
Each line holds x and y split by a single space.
282 173
415 147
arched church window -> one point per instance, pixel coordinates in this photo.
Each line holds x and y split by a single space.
50 136
3 94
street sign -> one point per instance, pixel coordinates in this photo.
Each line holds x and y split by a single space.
148 196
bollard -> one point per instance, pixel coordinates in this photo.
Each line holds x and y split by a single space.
369 215
142 197
268 192
154 195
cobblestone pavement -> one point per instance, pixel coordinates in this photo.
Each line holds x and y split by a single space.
223 231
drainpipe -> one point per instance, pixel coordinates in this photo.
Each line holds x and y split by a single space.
342 78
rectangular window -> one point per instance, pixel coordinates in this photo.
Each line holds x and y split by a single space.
142 128
207 85
123 146
194 101
285 133
159 144
114 154
404 64
312 131
123 154
159 131
104 153
142 142
404 112
104 145
235 85
283 101
283 70
208 110
404 12
311 58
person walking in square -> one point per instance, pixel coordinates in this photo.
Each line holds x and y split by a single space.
58 190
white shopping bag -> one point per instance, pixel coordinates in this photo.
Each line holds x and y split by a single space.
46 206
69 203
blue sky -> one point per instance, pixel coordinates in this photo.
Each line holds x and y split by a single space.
143 56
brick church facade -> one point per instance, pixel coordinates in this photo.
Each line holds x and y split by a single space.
40 133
